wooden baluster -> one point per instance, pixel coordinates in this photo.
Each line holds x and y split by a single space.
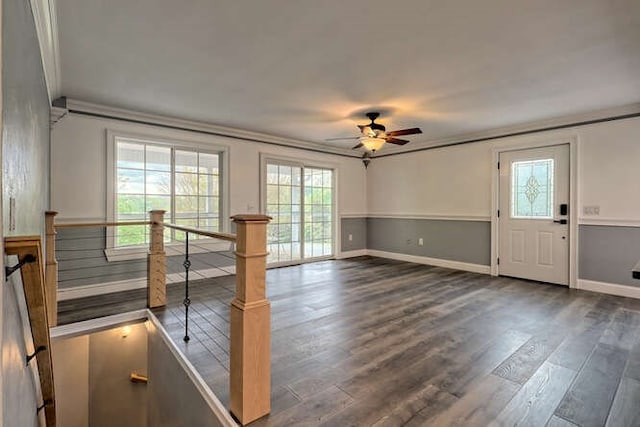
250 364
51 268
157 263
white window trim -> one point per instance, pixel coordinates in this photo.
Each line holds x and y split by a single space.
133 252
309 163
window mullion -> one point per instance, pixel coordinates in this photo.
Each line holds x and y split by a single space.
302 213
173 192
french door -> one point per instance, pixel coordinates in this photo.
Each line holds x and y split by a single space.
533 219
300 199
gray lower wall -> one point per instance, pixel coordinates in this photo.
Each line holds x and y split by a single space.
357 229
25 176
608 253
464 241
71 376
113 399
166 407
81 259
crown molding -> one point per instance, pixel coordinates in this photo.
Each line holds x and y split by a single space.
46 22
102 111
567 121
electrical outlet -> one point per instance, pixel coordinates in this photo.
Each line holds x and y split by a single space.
408 241
420 241
591 210
351 237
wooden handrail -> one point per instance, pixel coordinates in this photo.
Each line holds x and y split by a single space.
102 224
34 293
221 236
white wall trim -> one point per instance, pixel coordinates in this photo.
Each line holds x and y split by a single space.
138 283
45 17
438 262
609 288
613 222
534 126
207 394
96 325
352 254
353 215
102 110
444 217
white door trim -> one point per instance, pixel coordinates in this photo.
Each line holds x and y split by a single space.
572 140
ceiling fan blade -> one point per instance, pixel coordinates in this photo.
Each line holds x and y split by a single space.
396 141
357 146
411 131
342 139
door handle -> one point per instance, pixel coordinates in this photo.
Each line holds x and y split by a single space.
560 221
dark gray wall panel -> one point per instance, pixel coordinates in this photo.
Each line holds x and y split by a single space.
166 407
608 254
465 241
357 228
81 259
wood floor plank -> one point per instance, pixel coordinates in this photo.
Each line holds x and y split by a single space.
556 421
421 406
371 341
625 411
528 358
311 412
481 405
588 401
538 398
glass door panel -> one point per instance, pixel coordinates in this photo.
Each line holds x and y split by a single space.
283 205
318 205
300 201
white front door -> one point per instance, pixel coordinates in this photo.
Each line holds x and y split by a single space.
533 214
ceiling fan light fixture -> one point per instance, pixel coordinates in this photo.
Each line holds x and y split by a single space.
367 131
372 144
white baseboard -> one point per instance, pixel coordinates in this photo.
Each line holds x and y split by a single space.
609 288
352 254
438 262
139 283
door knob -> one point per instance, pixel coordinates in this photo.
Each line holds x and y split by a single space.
560 221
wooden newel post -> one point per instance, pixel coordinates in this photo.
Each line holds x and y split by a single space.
250 364
51 268
156 262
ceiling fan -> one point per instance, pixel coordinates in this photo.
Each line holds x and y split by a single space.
375 135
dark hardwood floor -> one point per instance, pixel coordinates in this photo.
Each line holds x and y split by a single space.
369 341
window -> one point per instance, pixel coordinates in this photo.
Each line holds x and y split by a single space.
300 200
185 182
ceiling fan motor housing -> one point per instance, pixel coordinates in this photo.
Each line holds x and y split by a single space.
376 128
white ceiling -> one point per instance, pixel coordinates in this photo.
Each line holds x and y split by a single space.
310 69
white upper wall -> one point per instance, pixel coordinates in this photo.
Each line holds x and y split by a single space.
79 167
456 181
